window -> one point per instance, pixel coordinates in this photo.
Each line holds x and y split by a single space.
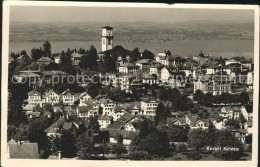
104 41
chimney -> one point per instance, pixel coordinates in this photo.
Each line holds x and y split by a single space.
59 155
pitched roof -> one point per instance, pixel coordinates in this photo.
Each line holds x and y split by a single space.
29 74
137 125
149 100
232 108
44 59
104 117
68 108
126 134
171 120
126 117
54 72
144 61
68 92
67 125
28 107
34 114
34 93
23 151
114 126
85 109
50 92
76 55
128 65
194 121
108 28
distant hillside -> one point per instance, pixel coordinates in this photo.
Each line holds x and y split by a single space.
132 32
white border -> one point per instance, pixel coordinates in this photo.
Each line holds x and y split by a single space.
5 44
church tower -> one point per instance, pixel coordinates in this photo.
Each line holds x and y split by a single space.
107 38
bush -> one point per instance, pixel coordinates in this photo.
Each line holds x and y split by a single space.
196 155
139 155
182 147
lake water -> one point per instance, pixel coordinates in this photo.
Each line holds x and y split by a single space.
224 48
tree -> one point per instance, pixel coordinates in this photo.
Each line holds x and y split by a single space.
195 155
161 113
51 66
233 123
47 49
36 53
243 97
139 155
156 143
93 127
84 147
198 95
89 60
104 148
14 55
66 143
226 139
135 55
197 138
107 64
66 63
147 55
36 131
33 66
119 149
93 88
178 133
23 53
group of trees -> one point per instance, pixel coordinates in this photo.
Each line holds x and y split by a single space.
199 139
149 143
179 101
208 99
89 59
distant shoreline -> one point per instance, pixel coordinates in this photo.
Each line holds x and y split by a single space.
216 48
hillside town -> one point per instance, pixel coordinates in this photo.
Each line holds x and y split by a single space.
117 103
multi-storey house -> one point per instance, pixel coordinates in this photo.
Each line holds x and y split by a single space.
149 106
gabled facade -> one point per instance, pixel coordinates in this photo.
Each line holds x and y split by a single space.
84 97
230 112
52 98
68 97
34 98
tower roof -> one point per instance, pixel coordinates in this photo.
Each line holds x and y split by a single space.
107 27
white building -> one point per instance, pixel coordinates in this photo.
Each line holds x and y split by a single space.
230 112
128 68
85 112
165 74
231 61
68 97
107 106
104 121
215 85
34 98
149 106
57 59
83 97
52 97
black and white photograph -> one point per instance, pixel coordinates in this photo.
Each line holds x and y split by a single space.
121 82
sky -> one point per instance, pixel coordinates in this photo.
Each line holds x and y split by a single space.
112 14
